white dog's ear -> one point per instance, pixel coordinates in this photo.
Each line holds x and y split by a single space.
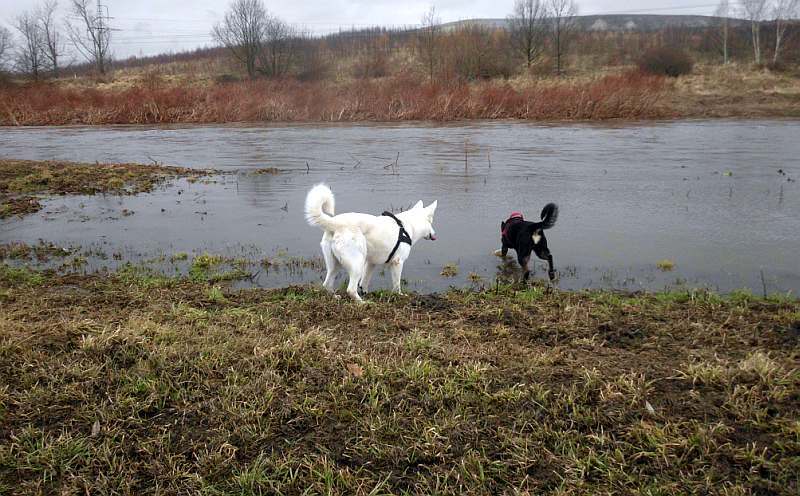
417 205
432 207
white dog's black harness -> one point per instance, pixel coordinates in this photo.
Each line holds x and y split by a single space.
403 237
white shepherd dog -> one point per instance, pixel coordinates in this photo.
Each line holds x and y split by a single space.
361 242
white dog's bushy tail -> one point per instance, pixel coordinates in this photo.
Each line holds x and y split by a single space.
320 207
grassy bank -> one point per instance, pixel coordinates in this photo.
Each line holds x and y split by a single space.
735 91
22 180
135 383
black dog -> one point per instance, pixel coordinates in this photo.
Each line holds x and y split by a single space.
526 237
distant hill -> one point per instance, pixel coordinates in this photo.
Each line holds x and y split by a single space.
615 22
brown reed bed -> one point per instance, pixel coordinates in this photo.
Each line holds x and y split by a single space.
621 96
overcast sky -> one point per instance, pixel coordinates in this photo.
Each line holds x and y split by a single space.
149 27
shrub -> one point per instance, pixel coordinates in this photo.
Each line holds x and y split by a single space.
373 64
777 66
5 80
666 61
473 52
312 65
226 78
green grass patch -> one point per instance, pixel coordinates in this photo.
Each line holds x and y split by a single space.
21 276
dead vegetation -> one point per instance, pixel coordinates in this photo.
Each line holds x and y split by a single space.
620 96
20 180
735 90
137 383
711 91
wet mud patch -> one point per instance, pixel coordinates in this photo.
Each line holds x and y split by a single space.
431 302
621 334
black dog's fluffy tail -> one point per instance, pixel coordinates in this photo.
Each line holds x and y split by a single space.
549 215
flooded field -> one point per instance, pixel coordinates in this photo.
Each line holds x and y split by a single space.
691 203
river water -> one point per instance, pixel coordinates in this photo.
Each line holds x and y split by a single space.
706 195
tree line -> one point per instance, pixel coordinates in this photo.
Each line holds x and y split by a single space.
538 35
38 45
536 32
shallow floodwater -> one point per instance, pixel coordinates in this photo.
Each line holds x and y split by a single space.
707 195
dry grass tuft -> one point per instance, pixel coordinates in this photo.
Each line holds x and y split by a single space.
665 265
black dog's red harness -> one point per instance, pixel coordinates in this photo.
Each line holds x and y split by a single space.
515 217
403 237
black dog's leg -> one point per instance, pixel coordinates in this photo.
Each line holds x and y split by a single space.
544 253
503 251
523 262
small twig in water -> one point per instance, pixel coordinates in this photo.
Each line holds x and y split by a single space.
489 156
308 169
763 284
393 165
465 158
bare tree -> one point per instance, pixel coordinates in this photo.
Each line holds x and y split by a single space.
754 11
783 10
52 44
242 32
428 40
30 58
312 61
723 12
279 46
92 36
473 51
528 28
562 16
6 44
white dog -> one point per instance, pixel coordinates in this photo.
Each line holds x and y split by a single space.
361 242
